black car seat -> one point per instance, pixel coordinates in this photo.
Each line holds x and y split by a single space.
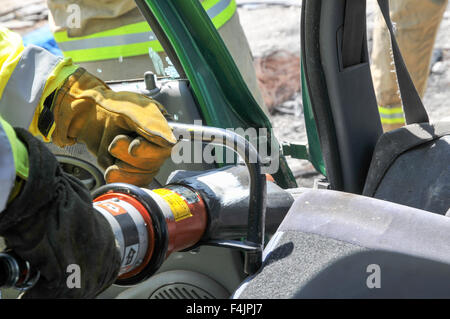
339 245
407 166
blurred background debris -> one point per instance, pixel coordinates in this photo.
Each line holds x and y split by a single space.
278 75
23 16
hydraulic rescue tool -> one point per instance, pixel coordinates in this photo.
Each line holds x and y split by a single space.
229 207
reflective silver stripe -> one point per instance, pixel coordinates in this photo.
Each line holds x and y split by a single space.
218 8
25 86
131 38
392 116
117 230
129 228
7 169
115 40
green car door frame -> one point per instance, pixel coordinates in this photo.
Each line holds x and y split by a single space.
198 52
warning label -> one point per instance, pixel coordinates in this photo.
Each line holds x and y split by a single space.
179 207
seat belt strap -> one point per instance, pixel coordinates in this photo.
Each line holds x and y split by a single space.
412 104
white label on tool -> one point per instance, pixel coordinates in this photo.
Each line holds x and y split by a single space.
129 258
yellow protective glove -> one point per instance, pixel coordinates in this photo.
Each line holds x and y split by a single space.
126 131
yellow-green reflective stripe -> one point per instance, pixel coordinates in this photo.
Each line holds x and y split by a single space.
225 14
392 121
208 4
391 115
7 171
19 151
388 110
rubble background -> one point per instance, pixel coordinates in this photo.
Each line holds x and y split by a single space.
273 31
23 16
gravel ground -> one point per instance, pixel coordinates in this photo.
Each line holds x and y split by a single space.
266 33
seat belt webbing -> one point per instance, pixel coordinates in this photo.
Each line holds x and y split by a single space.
412 104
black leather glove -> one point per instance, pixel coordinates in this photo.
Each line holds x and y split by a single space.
52 224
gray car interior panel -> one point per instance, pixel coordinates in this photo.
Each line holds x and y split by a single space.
341 91
352 98
330 243
317 91
201 268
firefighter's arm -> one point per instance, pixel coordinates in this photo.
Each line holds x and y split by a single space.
48 219
28 76
19 161
46 216
52 97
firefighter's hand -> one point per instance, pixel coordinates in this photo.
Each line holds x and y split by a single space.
138 160
88 111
